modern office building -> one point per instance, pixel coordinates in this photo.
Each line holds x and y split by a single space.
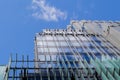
85 50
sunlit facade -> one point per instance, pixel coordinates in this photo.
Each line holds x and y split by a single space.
58 49
85 50
64 53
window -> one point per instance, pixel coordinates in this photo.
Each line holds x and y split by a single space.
48 37
70 57
53 50
60 38
70 37
39 43
75 44
83 38
47 58
43 50
41 57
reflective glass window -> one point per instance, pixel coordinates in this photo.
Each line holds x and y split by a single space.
51 43
41 57
53 49
70 57
60 37
82 38
39 38
63 43
75 43
70 37
43 50
39 43
48 37
53 57
48 57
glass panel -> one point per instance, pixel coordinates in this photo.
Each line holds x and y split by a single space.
47 50
70 57
43 50
93 50
107 50
53 50
94 38
39 38
41 57
53 57
63 43
49 37
39 43
49 65
80 50
47 57
51 43
83 38
70 37
67 50
75 44
60 37
87 43
54 65
44 43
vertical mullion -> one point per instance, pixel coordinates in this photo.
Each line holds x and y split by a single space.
76 76
77 50
53 70
45 58
69 46
73 47
58 62
71 51
22 68
40 73
13 77
83 48
82 76
47 68
27 67
15 72
63 61
36 54
75 55
43 43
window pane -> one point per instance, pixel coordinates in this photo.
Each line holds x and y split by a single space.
41 57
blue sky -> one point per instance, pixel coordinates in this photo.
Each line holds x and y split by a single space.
21 19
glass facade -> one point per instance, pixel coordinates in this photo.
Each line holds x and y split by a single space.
83 51
68 53
75 46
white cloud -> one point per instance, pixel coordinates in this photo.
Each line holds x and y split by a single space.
42 10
